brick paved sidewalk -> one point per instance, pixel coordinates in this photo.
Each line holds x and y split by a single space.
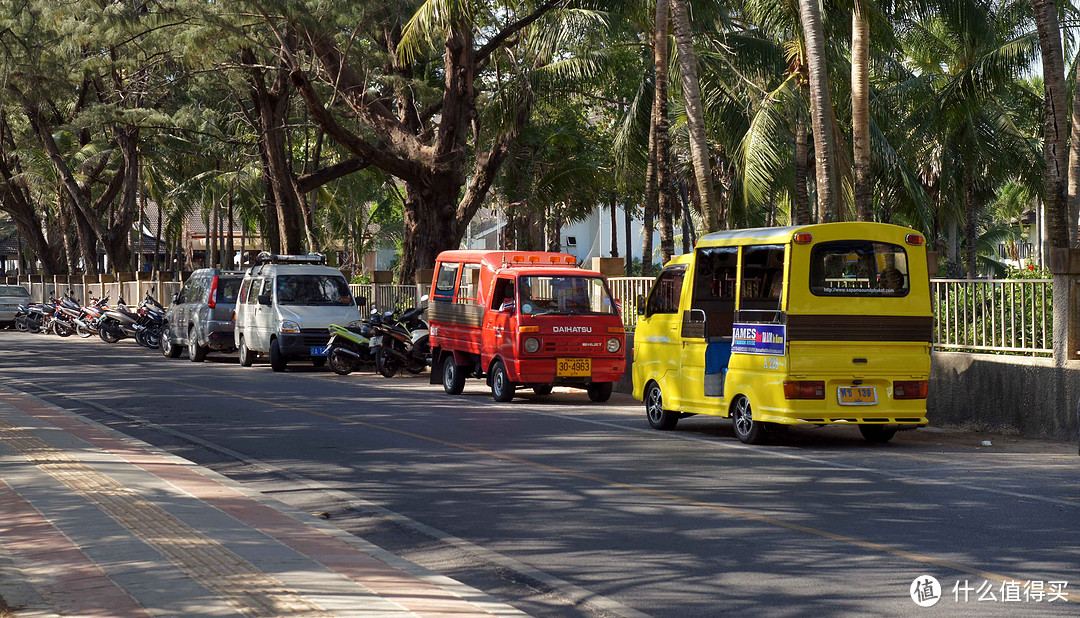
94 523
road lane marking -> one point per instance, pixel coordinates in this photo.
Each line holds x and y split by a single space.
733 511
574 593
656 493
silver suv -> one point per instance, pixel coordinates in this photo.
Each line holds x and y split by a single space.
201 317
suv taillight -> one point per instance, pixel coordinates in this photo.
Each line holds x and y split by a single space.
804 389
213 293
910 389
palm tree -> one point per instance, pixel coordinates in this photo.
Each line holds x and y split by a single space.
1074 159
699 147
821 110
658 197
860 113
1054 126
963 98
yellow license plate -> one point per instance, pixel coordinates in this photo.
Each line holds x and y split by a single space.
573 367
857 395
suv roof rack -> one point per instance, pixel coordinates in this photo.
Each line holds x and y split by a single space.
272 258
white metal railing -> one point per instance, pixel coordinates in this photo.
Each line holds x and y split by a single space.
625 291
387 297
1012 316
1006 316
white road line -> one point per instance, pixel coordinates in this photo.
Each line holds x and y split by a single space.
576 594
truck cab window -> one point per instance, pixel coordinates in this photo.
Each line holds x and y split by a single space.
664 297
445 284
502 292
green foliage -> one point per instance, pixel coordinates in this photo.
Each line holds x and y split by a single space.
951 101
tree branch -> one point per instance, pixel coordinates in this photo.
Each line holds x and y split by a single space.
313 180
495 42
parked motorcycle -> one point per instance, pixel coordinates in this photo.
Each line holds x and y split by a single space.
401 342
149 325
349 348
31 318
89 321
117 323
67 311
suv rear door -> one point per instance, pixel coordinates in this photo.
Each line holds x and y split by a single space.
228 289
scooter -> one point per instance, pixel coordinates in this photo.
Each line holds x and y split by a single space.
88 322
65 316
348 348
31 318
117 323
402 342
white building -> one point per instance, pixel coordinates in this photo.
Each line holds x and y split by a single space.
585 239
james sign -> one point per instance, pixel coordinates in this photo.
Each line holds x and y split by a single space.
759 338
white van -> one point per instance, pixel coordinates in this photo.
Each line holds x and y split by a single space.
286 305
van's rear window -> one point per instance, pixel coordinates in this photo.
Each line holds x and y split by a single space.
858 268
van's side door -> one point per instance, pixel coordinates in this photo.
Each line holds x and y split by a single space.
500 324
660 350
259 315
692 336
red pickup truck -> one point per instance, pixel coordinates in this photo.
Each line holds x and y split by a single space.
523 318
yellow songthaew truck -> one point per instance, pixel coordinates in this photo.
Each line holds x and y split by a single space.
804 325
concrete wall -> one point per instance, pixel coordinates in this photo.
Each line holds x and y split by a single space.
626 384
1013 394
1009 394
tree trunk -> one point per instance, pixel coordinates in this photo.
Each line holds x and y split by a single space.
243 242
802 213
820 111
269 234
1054 126
627 223
68 236
970 229
17 205
289 212
860 114
508 233
614 227
88 248
116 238
29 228
431 224
159 263
1074 163
139 257
660 154
230 243
271 104
695 115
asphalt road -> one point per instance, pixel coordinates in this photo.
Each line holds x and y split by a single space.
566 508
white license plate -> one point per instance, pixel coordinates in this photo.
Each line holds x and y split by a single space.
376 341
856 395
319 350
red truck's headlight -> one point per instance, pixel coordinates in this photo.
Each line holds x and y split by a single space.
613 345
